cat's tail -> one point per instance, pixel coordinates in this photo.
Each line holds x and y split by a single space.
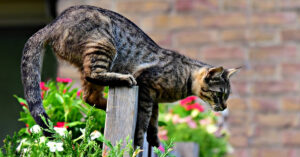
30 72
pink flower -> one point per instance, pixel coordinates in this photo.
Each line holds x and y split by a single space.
195 106
63 80
192 124
176 119
43 87
161 148
188 100
79 92
162 134
61 125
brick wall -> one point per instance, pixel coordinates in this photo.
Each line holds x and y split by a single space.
262 35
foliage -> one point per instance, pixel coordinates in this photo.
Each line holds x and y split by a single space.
189 122
77 131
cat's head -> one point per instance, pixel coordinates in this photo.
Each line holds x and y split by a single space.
212 86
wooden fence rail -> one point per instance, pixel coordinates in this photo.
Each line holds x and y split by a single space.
121 117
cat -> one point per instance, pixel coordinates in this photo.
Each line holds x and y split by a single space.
110 50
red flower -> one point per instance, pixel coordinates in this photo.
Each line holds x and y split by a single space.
187 100
43 87
63 80
195 106
64 91
79 92
61 125
23 104
42 94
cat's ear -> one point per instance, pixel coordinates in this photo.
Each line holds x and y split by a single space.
230 72
215 72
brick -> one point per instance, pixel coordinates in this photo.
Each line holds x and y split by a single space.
236 19
259 35
236 104
265 5
235 4
239 152
238 141
196 37
289 4
161 38
290 35
272 53
266 137
276 120
193 53
169 22
291 70
291 104
270 152
274 18
264 104
239 88
274 87
239 118
257 72
234 35
196 5
292 138
223 52
142 6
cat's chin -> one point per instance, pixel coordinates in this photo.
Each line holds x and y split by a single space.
218 108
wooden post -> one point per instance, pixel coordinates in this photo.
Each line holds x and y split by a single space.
186 149
121 113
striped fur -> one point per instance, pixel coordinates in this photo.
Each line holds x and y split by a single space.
108 49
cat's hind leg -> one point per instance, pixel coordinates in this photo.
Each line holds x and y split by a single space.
152 130
96 64
145 104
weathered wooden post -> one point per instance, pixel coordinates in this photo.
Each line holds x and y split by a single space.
121 113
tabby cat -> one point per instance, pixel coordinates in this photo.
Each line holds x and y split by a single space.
110 50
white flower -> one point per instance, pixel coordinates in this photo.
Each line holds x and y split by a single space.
55 146
60 131
42 139
211 128
35 129
20 145
82 131
95 134
25 150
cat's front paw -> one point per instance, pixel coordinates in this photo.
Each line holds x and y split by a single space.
129 79
153 141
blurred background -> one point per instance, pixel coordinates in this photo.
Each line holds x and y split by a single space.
261 35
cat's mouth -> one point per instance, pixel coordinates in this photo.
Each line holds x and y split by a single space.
219 107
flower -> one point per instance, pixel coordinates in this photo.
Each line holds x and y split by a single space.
195 106
161 148
42 139
95 134
61 125
60 131
18 149
35 129
162 134
55 146
43 87
211 128
79 92
188 100
23 104
63 80
82 131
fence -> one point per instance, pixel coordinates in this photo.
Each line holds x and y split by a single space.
121 117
